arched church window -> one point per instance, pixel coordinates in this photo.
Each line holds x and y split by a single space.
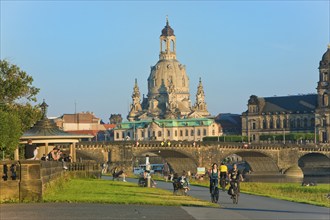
163 46
325 76
325 99
172 46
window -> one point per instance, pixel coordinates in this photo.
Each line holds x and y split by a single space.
199 132
298 123
213 132
175 133
325 99
285 124
271 123
123 135
159 133
305 123
168 133
187 133
181 133
325 76
192 133
254 125
153 134
278 124
292 123
264 124
142 134
117 135
204 132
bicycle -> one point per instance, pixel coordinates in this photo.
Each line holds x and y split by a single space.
223 183
214 191
235 193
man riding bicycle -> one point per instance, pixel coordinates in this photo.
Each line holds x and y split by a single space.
223 175
235 177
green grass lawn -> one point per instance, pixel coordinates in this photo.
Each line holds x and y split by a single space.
315 195
115 192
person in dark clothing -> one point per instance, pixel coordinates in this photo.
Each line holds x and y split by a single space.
31 151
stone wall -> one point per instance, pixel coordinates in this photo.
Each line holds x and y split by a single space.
25 180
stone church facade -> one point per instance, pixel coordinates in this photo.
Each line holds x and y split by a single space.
166 113
287 114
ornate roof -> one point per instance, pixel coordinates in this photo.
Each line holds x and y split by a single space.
167 30
325 62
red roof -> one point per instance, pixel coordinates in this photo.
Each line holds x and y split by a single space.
109 126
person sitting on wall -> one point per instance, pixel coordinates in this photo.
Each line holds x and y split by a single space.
54 155
31 151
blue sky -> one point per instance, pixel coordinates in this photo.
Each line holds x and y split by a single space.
90 52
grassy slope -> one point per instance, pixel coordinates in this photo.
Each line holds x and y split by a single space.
116 192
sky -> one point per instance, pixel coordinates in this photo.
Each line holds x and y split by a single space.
85 55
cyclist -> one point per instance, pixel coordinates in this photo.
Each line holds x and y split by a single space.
235 176
223 174
214 177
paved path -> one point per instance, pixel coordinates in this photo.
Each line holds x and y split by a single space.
250 207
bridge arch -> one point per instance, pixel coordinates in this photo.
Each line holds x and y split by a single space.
177 159
260 163
314 164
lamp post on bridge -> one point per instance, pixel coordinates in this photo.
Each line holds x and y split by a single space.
148 170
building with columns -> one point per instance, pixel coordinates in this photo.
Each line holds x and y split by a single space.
166 113
300 113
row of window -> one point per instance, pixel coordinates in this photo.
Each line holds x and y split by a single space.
160 133
292 123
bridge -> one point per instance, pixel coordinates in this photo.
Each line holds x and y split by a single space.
262 158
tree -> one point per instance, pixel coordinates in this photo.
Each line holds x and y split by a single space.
17 114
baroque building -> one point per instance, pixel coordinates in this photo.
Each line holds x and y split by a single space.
288 114
166 113
168 88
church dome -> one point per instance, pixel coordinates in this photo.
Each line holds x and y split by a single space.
325 62
166 72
